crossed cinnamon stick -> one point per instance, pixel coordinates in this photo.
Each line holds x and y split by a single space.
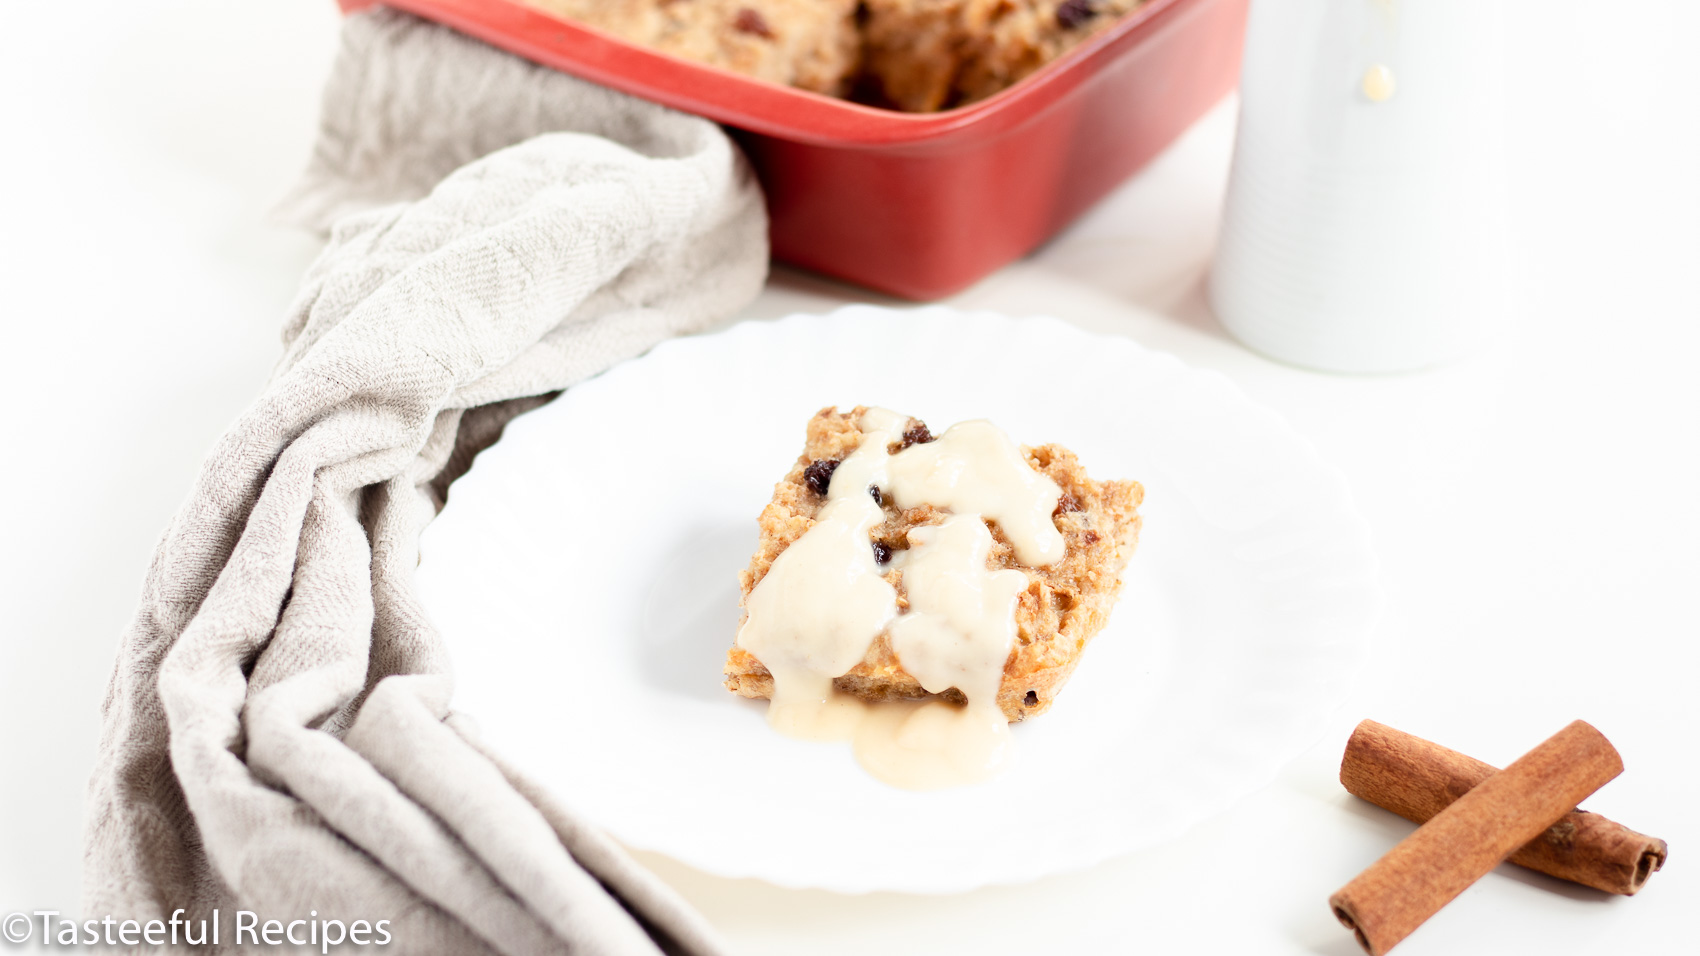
1474 817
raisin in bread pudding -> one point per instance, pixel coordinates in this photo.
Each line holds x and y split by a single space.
1061 572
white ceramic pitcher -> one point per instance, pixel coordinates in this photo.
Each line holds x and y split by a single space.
1365 219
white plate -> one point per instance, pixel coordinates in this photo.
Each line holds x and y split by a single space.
585 575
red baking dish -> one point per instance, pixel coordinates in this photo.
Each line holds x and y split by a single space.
918 204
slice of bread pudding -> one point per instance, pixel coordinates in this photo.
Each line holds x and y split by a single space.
1066 601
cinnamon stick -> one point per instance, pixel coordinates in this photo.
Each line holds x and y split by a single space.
1417 779
1454 849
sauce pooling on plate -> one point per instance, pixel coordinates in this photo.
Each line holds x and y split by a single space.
825 600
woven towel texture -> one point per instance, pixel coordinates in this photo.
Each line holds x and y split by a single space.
277 735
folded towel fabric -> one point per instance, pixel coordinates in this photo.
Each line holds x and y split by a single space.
277 736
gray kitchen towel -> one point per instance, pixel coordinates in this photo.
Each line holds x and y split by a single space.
277 736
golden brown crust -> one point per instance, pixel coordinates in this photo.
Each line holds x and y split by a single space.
1064 606
809 44
925 55
913 55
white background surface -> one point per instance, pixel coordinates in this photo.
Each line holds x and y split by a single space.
1535 506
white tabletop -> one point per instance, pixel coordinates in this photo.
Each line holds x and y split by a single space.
1536 506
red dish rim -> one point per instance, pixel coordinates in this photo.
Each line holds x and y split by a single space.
768 108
